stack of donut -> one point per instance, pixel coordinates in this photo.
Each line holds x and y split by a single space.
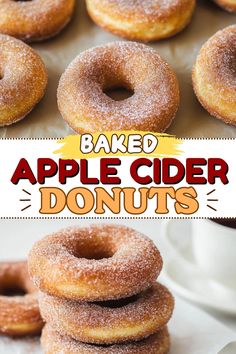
99 292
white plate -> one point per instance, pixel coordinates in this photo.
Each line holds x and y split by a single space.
184 276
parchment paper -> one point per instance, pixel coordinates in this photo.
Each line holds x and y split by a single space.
180 51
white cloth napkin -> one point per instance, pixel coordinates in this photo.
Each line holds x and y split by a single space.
195 332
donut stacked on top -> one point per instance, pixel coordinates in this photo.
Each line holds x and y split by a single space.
99 292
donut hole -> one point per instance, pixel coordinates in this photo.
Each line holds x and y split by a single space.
115 84
94 251
12 290
101 345
93 254
119 93
96 255
13 285
115 304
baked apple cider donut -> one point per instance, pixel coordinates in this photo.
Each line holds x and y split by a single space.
19 310
87 108
95 263
54 343
34 20
228 5
110 322
143 20
23 79
214 75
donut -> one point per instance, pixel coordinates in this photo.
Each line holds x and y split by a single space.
214 75
110 322
94 263
54 343
34 20
228 5
86 107
19 315
23 79
141 20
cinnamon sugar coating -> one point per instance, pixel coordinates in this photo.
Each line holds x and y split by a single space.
85 106
111 322
145 20
19 315
228 5
214 75
54 343
34 20
94 263
23 79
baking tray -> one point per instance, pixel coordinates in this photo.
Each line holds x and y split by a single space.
180 52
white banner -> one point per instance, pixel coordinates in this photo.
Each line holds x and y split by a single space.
196 178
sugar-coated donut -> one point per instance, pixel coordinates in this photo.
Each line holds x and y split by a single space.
19 315
85 106
145 20
214 75
54 343
34 20
23 79
110 322
94 263
228 5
